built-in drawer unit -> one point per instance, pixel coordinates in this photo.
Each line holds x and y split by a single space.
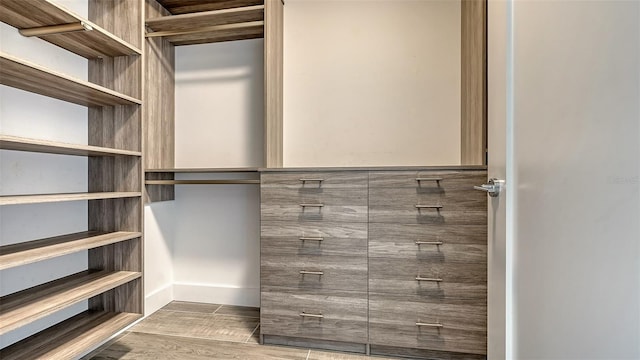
391 259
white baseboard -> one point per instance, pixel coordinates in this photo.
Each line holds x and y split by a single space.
157 299
215 294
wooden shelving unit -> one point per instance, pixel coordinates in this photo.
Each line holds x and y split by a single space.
25 306
43 249
111 40
202 182
30 77
70 338
91 44
52 147
48 198
210 26
205 170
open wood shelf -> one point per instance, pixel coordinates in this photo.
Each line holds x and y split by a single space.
94 43
203 170
190 6
8 142
210 26
202 182
26 306
26 76
70 338
47 198
37 250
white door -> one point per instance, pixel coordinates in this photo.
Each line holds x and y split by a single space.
564 131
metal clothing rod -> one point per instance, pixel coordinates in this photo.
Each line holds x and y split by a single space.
206 29
200 182
56 29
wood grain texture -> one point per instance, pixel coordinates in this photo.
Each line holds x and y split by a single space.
393 323
398 240
285 238
190 6
206 18
338 272
37 79
474 82
449 180
309 181
154 193
293 213
99 42
218 33
315 344
70 338
423 353
273 82
344 315
8 142
43 249
203 170
26 306
123 18
47 198
374 168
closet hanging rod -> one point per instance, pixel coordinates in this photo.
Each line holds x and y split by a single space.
55 29
201 182
206 29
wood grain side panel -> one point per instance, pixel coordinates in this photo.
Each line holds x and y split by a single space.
393 323
473 138
123 18
344 314
273 82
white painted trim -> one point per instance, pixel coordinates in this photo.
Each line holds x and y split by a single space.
157 299
216 294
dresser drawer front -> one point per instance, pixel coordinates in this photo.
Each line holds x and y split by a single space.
329 197
462 200
297 213
343 315
315 272
427 180
315 181
461 243
410 214
313 238
438 282
412 324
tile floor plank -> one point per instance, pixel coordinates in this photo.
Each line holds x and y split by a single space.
191 307
239 311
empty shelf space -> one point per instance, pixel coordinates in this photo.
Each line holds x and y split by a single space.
236 23
191 6
8 142
202 182
203 170
91 41
25 306
47 198
26 76
71 338
43 249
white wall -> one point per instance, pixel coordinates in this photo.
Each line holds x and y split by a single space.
576 138
29 115
371 82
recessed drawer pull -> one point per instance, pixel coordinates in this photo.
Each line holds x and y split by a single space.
428 179
420 278
317 316
312 205
436 325
306 272
437 207
418 242
304 180
304 238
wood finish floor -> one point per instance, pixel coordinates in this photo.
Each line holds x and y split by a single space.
195 331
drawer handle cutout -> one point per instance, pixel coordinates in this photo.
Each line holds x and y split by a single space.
429 179
306 272
436 325
312 238
437 243
420 278
437 207
311 180
311 205
316 316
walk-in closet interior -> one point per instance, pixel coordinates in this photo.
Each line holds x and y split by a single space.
316 159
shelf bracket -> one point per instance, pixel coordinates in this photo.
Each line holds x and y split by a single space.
56 29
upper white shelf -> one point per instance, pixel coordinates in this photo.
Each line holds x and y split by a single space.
210 26
90 42
27 76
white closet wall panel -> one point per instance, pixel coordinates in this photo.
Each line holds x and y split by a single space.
371 82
